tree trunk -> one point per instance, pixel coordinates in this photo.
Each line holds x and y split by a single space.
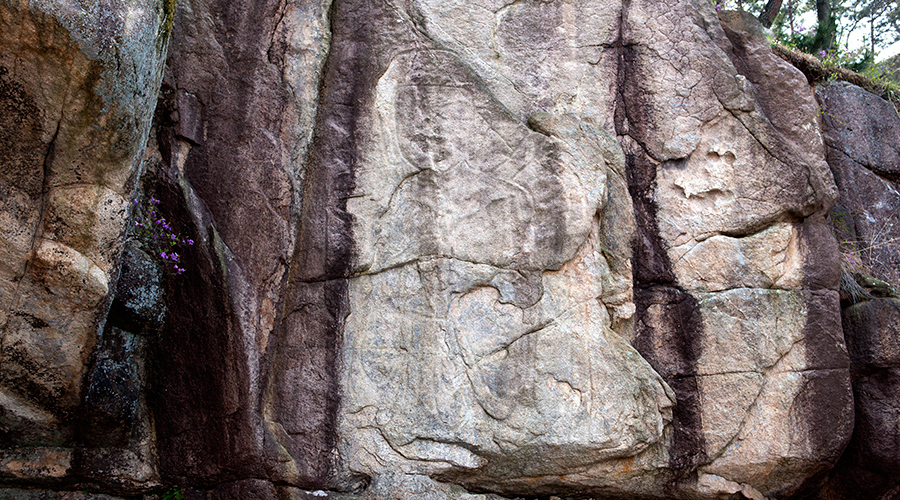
790 13
872 32
767 16
827 28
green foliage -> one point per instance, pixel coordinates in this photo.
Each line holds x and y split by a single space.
829 34
879 18
817 70
168 11
173 494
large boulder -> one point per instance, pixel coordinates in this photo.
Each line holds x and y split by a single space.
444 250
78 83
862 137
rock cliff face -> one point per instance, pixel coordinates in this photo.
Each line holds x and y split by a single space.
442 250
78 84
865 165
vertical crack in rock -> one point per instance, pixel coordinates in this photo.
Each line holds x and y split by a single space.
19 110
45 192
668 324
304 394
242 83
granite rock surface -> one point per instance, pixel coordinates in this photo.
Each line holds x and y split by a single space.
442 249
78 84
862 137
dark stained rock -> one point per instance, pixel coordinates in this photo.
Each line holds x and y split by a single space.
871 329
862 126
139 303
234 127
256 489
862 137
870 467
23 494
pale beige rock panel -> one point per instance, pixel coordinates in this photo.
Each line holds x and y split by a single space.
769 450
479 338
430 187
534 56
765 365
80 81
767 259
461 380
729 184
751 330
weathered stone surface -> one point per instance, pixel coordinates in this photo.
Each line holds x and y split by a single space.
871 465
454 272
704 211
139 302
239 99
863 154
32 464
867 220
861 135
77 85
871 329
249 488
486 248
504 306
20 494
862 126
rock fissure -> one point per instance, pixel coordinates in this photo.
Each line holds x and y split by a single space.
419 296
38 231
894 179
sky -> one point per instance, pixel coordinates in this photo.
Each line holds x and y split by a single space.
858 38
885 53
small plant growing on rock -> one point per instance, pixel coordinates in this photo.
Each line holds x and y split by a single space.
157 236
858 281
173 494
